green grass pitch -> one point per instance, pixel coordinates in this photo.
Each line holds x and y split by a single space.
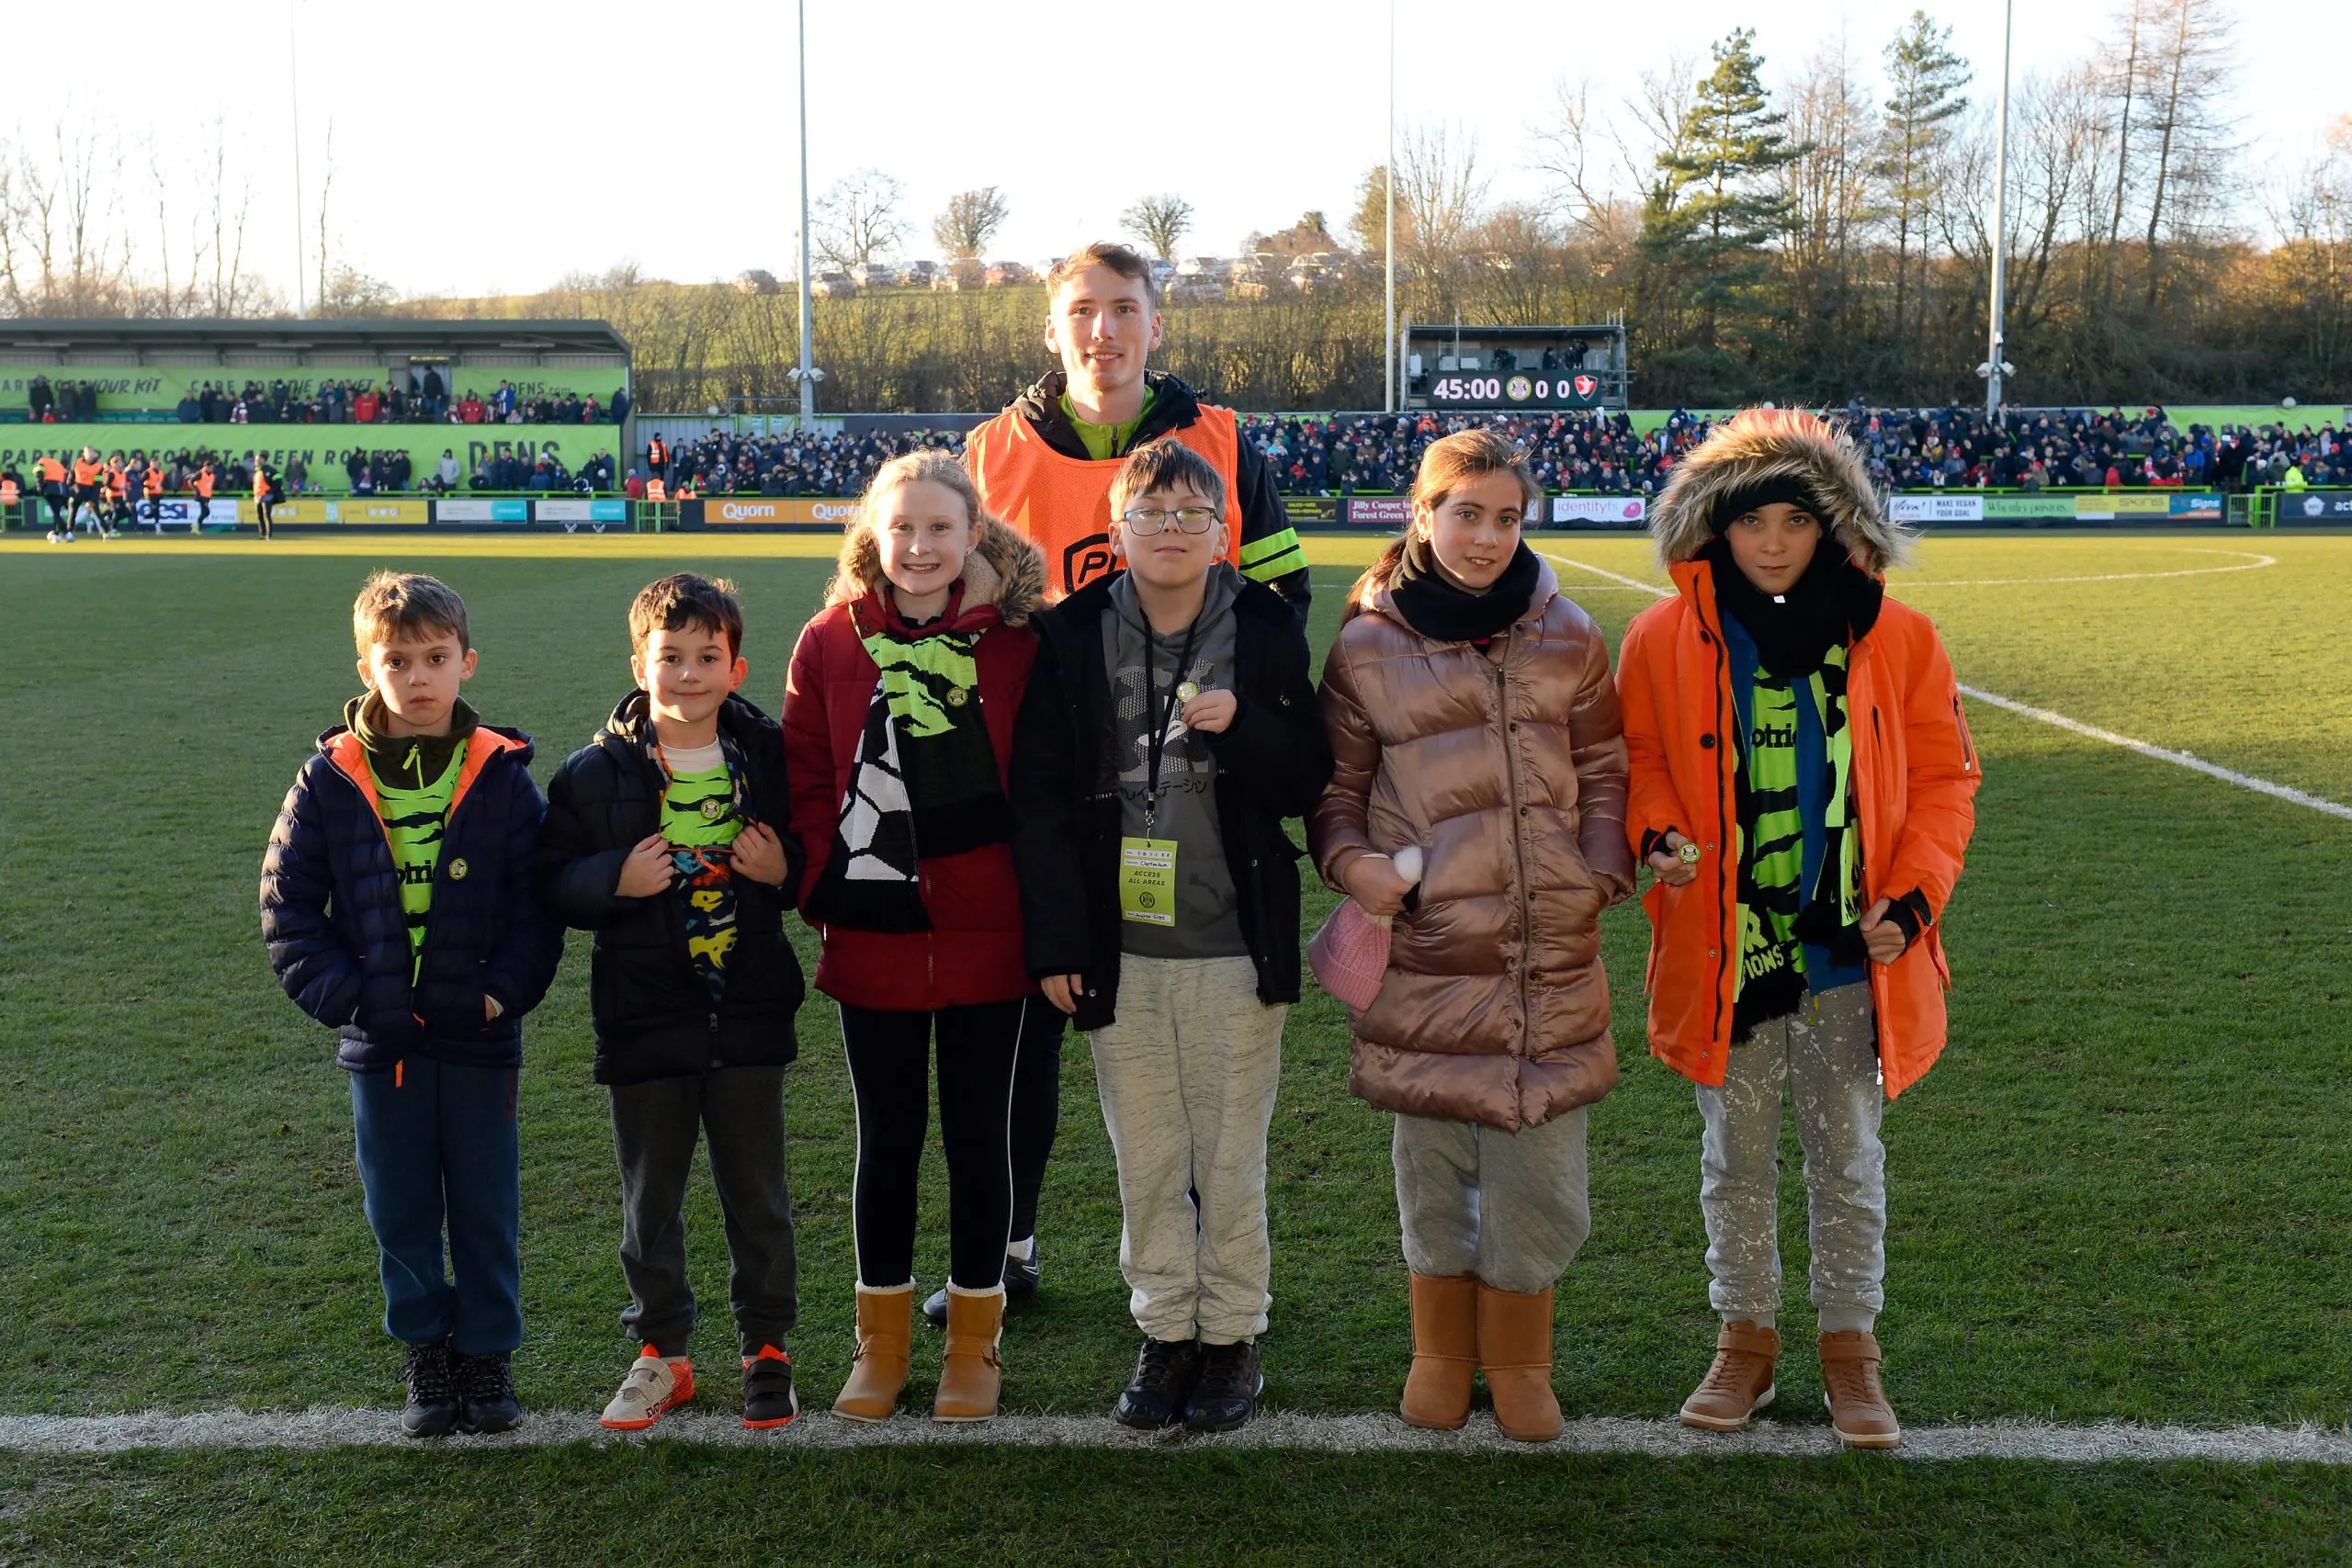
2122 1195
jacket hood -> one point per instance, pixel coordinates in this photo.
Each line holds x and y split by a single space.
1757 445
1173 406
1004 569
517 741
632 721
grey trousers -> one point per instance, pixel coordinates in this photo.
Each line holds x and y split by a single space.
1188 1076
1509 1207
1825 1055
655 1124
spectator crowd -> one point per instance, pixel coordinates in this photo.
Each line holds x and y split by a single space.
421 397
1601 452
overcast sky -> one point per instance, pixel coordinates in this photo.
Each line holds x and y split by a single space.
497 144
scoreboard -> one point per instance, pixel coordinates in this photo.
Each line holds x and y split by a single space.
1519 389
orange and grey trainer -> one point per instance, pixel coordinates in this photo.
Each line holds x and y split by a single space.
653 1388
1739 1383
1858 1406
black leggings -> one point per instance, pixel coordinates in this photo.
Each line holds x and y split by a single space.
1036 1110
889 1066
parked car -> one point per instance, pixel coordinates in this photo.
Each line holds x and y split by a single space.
919 274
1006 273
874 274
1195 291
833 286
957 276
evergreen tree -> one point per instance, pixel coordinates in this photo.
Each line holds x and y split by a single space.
1716 207
1927 80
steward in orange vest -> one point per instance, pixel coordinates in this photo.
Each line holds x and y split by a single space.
655 490
1035 472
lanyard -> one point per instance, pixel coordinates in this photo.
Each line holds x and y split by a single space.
1155 742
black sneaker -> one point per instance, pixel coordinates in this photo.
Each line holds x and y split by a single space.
768 1396
1225 1397
430 1373
486 1388
1021 1277
1155 1396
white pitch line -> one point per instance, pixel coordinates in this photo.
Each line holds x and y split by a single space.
2195 763
325 1429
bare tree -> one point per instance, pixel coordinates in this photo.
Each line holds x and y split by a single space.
2120 83
857 219
2189 69
1439 183
1160 221
1567 150
969 221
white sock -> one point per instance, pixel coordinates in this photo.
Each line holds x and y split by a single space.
1848 1320
1023 1249
1761 1319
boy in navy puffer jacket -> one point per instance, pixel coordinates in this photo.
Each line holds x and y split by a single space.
396 899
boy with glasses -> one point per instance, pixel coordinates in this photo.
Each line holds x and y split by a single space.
1169 728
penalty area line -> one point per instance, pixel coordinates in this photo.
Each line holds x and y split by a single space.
2188 760
344 1427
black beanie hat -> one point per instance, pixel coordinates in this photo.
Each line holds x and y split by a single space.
1787 488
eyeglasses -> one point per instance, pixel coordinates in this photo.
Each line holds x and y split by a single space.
1144 520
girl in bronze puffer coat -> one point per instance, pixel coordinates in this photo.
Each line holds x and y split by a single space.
1472 714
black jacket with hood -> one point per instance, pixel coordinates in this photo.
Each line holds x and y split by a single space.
1273 762
655 1017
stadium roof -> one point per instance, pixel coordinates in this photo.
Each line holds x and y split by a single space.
125 338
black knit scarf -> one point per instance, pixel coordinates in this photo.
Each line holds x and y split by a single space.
1442 610
1833 602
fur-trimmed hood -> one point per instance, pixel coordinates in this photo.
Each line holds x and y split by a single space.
1003 569
1766 443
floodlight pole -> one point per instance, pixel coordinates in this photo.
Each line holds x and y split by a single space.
294 100
807 378
2000 229
1389 246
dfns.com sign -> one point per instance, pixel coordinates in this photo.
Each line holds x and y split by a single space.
727 512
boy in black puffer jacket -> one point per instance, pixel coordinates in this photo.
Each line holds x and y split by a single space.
665 837
396 900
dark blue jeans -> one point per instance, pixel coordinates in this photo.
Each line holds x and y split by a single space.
438 1151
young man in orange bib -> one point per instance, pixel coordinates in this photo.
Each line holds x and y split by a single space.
1044 468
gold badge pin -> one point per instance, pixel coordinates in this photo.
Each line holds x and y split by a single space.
713 809
1186 691
458 869
956 696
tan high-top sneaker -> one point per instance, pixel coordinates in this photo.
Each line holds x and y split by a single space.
971 1375
1515 1352
886 1333
1739 1383
1849 1385
1445 1351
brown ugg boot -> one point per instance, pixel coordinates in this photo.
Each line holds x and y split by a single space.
1858 1406
1445 1351
886 1334
971 1375
1515 1352
1739 1383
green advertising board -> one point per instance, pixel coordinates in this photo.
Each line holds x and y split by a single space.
322 447
157 388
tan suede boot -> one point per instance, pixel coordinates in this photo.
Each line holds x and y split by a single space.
1858 1406
971 1375
1515 1352
1739 1383
886 1334
1445 1351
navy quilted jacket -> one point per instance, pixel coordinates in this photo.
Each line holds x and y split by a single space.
338 939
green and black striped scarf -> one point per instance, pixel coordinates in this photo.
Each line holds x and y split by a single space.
1777 918
924 787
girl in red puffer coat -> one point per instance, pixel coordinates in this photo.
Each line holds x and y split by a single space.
898 722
